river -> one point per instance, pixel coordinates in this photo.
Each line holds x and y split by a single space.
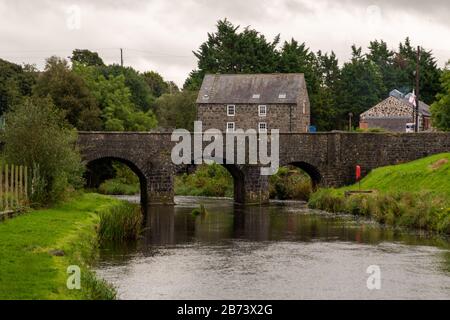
280 251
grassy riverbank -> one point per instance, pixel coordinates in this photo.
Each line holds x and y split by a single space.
36 248
414 194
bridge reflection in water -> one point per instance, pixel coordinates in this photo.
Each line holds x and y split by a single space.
280 221
280 251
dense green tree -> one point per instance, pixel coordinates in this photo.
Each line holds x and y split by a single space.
360 87
157 84
177 110
440 110
38 136
69 93
324 107
141 94
405 63
86 57
115 100
230 51
384 59
15 82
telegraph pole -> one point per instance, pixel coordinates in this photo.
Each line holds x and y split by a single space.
417 91
121 57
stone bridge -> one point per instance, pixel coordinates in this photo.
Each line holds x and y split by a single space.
328 158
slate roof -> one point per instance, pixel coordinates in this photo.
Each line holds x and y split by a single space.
252 88
395 107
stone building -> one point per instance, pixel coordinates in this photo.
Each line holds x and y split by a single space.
254 101
394 113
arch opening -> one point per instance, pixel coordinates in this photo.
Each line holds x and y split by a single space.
101 169
211 180
312 172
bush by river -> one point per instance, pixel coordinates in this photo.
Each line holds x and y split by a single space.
414 194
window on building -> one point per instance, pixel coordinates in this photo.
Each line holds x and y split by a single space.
231 110
230 126
304 107
262 110
256 96
282 96
262 127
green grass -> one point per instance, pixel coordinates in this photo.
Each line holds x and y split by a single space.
29 271
118 187
411 177
120 223
414 194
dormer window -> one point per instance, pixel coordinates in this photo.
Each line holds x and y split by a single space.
205 97
282 96
231 110
256 96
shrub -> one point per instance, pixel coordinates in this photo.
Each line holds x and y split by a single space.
290 183
208 180
36 135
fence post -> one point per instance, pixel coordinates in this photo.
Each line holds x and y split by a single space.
16 186
26 183
1 186
6 187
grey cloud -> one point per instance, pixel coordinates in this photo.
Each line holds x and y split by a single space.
161 35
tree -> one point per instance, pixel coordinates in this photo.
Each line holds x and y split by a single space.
405 63
323 106
141 94
177 110
37 135
440 110
86 57
230 51
384 59
15 82
295 57
69 93
115 100
360 87
157 84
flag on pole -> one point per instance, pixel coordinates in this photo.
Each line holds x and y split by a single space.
412 98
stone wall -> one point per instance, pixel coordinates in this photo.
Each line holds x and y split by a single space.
285 117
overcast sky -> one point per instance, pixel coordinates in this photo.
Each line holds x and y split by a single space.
161 34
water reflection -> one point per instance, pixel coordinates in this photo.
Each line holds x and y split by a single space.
284 249
172 225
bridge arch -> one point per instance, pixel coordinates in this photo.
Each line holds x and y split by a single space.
143 183
238 176
311 170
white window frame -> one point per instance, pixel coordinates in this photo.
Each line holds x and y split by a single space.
261 114
231 107
259 127
229 129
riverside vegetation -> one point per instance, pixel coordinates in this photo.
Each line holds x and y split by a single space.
414 194
214 181
34 261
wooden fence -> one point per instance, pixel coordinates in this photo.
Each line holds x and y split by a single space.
13 187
